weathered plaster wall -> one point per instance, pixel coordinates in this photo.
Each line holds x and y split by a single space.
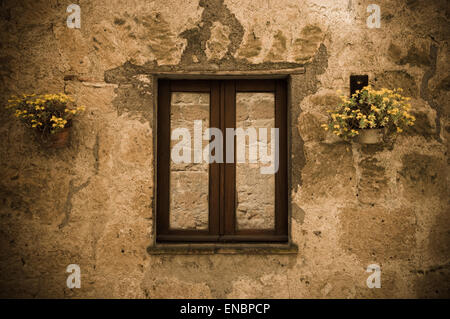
92 203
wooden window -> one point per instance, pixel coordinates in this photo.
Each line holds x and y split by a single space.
220 202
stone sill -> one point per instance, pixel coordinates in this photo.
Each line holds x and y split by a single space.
230 249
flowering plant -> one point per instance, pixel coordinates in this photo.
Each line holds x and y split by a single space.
46 113
370 108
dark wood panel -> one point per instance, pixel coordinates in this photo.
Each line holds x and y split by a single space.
281 177
187 238
224 238
163 157
256 232
255 85
214 168
222 165
190 85
230 168
254 238
222 186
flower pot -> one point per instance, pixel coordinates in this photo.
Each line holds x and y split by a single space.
370 136
59 139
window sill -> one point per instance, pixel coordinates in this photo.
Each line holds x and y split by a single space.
230 249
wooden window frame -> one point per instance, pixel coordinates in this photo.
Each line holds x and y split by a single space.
222 176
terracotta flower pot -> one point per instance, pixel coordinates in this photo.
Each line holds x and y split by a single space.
59 139
370 136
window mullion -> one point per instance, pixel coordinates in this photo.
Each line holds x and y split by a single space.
214 168
229 182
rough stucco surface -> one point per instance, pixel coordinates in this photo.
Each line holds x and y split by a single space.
352 205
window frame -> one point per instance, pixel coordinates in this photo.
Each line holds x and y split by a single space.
222 176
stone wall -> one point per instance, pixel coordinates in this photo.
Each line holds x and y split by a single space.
92 203
255 192
189 181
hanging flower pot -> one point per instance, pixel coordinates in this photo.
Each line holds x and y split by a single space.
49 115
370 136
58 139
369 114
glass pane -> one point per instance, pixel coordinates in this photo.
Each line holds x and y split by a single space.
189 179
255 191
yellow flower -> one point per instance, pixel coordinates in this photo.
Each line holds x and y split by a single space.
399 130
